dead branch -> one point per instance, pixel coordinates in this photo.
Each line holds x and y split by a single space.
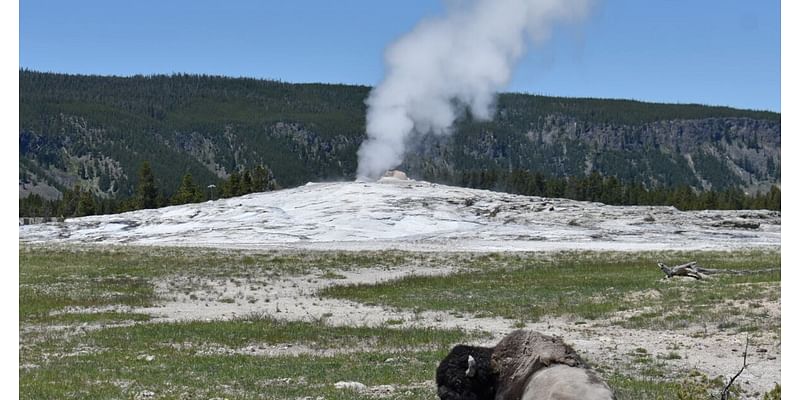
688 269
692 270
725 395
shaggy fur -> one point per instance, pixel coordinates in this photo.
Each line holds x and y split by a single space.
522 353
454 384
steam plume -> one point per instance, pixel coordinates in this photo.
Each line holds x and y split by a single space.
449 64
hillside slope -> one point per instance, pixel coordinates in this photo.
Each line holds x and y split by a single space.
96 131
414 215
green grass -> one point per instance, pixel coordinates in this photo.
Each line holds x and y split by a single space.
50 265
654 388
38 301
96 364
99 317
182 375
672 355
585 285
264 330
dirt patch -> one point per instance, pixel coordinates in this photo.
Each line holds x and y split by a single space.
287 298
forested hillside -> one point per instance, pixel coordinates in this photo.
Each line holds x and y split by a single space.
95 132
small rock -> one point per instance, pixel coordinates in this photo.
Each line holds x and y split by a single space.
145 394
357 386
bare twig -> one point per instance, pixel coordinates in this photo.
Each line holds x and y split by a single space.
725 395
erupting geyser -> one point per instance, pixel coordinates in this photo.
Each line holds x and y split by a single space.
448 64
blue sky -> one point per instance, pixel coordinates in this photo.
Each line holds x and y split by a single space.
702 51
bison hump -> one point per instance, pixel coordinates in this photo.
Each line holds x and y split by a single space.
522 353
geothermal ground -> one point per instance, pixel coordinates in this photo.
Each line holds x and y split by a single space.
224 299
415 216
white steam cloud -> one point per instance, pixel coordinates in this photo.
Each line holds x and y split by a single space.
449 64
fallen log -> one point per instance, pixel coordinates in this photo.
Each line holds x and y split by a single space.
692 270
688 269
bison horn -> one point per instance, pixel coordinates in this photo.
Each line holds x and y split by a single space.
470 367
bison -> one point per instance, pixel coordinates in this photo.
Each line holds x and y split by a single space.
466 374
525 365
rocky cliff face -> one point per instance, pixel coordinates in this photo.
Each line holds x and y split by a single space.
72 156
710 153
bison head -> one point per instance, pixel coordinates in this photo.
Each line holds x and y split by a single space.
466 374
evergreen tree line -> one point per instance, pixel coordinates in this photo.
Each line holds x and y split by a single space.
79 202
612 191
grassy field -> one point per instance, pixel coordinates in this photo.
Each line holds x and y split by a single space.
221 359
591 286
83 333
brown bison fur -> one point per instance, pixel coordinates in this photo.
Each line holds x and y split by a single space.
521 354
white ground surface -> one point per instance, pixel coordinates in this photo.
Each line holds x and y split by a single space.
417 216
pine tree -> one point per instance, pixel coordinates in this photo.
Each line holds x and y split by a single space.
594 187
188 192
612 192
69 202
774 199
707 201
86 204
539 185
146 191
246 185
232 185
260 179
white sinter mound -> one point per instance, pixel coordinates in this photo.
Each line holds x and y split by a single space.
413 215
